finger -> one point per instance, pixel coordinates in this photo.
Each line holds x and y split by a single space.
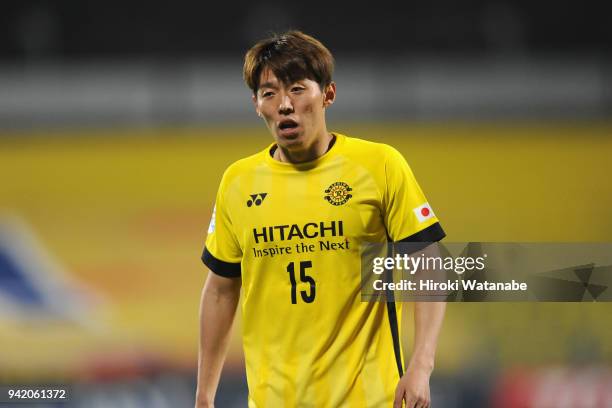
415 402
399 398
411 403
422 403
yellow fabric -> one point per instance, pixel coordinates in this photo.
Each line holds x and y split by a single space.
321 348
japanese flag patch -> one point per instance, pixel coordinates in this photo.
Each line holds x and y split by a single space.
211 226
423 212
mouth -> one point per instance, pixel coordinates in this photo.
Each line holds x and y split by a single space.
287 127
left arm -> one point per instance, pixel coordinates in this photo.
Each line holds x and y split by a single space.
413 387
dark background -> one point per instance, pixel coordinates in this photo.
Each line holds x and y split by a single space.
93 29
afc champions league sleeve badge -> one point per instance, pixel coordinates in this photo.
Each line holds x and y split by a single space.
338 193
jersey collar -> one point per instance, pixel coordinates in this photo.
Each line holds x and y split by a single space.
306 165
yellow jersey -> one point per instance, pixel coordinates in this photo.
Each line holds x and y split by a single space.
293 232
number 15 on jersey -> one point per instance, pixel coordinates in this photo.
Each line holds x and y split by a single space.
307 296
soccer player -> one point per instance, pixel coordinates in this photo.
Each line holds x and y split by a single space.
287 228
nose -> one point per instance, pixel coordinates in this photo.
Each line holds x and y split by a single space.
286 106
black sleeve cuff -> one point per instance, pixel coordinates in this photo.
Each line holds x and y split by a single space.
423 238
219 267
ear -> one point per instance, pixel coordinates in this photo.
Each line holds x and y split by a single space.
254 99
329 94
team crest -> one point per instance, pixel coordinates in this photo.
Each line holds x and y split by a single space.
338 193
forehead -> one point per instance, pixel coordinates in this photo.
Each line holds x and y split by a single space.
268 78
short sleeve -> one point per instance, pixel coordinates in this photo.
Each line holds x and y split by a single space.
407 214
222 253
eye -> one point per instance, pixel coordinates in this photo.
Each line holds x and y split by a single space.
266 94
297 88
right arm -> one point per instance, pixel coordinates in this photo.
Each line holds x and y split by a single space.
217 310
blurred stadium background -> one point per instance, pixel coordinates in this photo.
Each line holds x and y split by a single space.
117 121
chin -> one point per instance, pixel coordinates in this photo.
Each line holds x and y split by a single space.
290 142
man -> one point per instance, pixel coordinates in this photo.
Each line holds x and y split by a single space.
287 228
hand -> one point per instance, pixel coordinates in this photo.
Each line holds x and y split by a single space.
413 388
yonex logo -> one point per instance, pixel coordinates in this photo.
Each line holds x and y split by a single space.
257 199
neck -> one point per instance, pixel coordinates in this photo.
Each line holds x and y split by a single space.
317 149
